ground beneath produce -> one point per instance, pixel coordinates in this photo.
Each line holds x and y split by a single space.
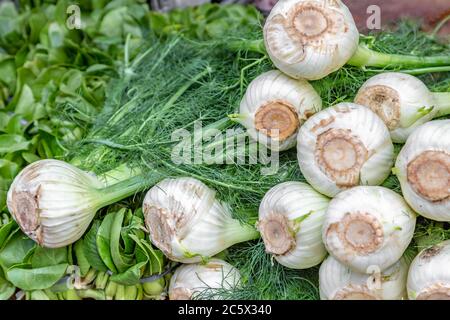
431 11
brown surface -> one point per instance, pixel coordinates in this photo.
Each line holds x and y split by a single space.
430 11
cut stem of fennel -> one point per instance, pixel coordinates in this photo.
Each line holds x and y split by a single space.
235 232
365 57
126 188
442 103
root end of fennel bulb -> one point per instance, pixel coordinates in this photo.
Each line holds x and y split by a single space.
423 169
54 202
275 106
277 234
344 146
291 215
368 226
188 223
402 101
277 115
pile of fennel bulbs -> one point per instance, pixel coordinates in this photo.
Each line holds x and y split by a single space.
243 187
184 82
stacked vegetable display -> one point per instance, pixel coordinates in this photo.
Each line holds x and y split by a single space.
325 198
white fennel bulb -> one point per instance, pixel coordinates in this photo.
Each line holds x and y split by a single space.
402 101
344 146
429 274
310 38
275 106
368 227
211 278
339 282
188 223
54 202
423 169
291 215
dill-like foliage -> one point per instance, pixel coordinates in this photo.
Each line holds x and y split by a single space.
175 83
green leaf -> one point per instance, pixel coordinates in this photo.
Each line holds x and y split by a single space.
9 23
8 72
4 120
156 257
44 257
14 125
5 231
131 276
104 240
37 22
6 289
25 103
112 22
38 295
121 261
16 250
82 261
12 143
90 248
4 186
98 68
37 278
156 262
8 169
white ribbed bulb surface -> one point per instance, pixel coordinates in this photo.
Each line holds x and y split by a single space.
291 215
310 39
338 282
423 169
344 146
278 102
401 100
429 274
210 278
368 227
53 202
188 223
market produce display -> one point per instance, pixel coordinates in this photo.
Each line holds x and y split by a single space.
119 177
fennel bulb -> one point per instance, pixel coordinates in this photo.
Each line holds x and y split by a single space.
188 224
402 101
338 282
190 280
54 202
275 106
423 169
344 146
312 38
429 274
291 215
368 227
